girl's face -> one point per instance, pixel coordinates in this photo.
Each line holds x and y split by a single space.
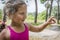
20 15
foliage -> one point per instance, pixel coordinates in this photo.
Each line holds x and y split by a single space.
42 15
3 1
30 17
55 11
43 1
0 14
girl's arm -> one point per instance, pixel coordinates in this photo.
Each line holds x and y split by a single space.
37 28
41 27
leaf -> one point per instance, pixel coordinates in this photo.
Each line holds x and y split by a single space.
43 1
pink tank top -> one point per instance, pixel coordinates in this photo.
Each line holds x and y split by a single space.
19 36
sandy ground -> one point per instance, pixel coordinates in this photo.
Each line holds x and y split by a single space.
45 35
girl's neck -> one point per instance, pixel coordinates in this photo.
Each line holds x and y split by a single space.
13 24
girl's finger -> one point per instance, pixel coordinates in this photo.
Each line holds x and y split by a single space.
53 19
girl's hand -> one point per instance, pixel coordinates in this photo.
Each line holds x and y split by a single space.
1 22
51 20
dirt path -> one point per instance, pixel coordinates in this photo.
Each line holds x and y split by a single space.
52 33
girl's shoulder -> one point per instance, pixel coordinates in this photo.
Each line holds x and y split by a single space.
29 25
4 32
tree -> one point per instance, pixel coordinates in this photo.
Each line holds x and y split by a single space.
47 5
55 11
58 12
36 12
50 8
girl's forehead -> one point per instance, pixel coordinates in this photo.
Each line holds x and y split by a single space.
22 8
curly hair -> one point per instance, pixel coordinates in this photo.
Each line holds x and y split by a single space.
13 5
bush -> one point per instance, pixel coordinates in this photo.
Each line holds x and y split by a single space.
0 14
42 15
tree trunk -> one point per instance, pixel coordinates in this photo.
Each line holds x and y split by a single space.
50 8
36 13
47 9
58 13
46 14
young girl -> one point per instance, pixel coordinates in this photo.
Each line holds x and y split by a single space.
18 30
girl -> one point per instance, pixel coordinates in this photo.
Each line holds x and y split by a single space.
18 30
